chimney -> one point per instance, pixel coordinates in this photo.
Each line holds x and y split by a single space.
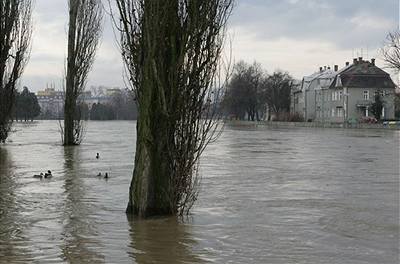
360 59
336 68
355 61
373 62
320 69
347 63
324 68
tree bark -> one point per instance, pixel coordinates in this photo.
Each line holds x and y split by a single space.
150 185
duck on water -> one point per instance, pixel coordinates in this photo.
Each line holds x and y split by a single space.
105 175
46 175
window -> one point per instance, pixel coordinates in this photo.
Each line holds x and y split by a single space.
339 112
334 96
366 95
333 112
340 96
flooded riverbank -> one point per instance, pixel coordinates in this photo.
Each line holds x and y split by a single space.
268 195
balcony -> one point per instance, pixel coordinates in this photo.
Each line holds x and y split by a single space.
364 103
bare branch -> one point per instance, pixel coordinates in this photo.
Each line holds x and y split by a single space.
391 50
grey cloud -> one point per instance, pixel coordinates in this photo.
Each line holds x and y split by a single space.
331 21
328 21
51 16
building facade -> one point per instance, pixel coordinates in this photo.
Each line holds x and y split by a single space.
345 95
52 102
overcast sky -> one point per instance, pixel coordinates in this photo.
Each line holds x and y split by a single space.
296 36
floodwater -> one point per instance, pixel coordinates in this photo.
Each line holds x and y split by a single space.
267 196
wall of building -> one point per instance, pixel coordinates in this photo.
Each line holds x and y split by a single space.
356 98
309 98
298 103
325 106
330 105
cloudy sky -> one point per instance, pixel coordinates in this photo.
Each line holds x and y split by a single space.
296 36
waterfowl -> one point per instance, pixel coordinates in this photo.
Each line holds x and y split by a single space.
48 174
106 176
99 175
39 176
97 156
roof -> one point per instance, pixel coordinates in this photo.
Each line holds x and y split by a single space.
362 74
325 77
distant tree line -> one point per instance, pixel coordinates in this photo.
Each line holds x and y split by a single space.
121 106
26 105
253 94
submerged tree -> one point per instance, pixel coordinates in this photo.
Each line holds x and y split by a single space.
15 36
85 25
172 51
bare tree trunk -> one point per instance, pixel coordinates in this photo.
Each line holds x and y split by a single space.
15 36
84 32
171 51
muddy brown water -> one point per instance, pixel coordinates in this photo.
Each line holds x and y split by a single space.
267 196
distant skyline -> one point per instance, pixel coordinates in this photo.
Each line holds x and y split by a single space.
297 36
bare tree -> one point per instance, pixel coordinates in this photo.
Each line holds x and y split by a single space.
15 38
85 26
244 93
172 53
391 51
277 90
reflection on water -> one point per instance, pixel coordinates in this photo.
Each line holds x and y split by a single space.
154 243
267 196
79 232
12 240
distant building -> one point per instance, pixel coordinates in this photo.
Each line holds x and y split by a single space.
337 96
51 103
112 91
